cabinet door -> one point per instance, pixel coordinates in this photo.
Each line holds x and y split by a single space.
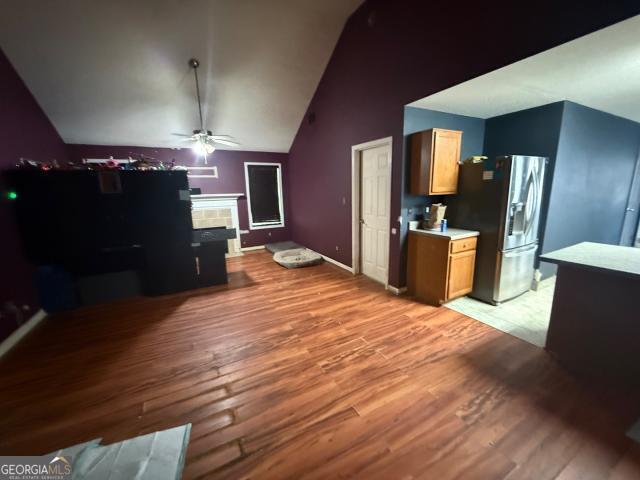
461 266
444 165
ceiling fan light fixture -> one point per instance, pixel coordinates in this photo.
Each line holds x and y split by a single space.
203 148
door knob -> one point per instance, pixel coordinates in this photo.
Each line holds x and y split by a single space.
629 209
361 221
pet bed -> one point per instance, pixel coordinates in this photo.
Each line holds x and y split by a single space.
297 258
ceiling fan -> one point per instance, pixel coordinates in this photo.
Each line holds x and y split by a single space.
204 142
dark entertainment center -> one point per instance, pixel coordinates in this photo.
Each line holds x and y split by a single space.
99 235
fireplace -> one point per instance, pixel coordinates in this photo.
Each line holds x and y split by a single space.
218 210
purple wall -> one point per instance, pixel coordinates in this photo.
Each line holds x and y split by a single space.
25 131
230 172
389 54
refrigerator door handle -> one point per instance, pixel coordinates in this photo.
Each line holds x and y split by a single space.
532 203
516 252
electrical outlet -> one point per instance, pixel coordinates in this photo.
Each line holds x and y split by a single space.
269 233
344 201
337 248
393 231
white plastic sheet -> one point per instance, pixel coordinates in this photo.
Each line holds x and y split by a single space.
156 456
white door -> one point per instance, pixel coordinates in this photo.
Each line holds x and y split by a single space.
374 212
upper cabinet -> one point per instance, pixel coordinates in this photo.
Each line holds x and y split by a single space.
435 155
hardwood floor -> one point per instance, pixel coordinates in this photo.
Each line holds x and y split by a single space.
312 373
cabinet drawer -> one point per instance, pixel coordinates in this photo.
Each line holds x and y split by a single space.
464 244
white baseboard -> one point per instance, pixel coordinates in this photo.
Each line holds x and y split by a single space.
13 339
327 259
337 263
250 249
396 290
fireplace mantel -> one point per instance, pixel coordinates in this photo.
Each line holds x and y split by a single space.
218 196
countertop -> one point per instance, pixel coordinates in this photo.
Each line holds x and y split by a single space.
452 233
598 256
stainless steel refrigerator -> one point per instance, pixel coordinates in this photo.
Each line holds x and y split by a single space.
501 198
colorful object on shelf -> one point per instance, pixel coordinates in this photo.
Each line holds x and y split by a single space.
12 195
28 164
142 163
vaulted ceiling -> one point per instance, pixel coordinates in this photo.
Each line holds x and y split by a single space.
115 72
600 70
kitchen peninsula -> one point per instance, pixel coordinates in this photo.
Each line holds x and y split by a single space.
595 327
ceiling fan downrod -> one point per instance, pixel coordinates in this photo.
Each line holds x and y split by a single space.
194 63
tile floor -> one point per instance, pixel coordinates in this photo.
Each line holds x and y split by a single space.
525 317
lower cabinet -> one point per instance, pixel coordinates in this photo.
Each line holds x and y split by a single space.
439 268
461 267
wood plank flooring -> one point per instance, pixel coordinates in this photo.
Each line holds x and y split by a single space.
312 373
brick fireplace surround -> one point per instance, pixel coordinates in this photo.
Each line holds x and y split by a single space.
218 210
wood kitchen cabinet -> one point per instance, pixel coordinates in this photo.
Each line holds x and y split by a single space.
435 155
441 265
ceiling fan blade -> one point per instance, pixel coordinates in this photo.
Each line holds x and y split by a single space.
182 135
224 137
227 142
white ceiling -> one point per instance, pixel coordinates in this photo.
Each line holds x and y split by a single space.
600 70
115 72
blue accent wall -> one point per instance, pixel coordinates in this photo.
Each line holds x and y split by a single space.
592 157
534 131
595 164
